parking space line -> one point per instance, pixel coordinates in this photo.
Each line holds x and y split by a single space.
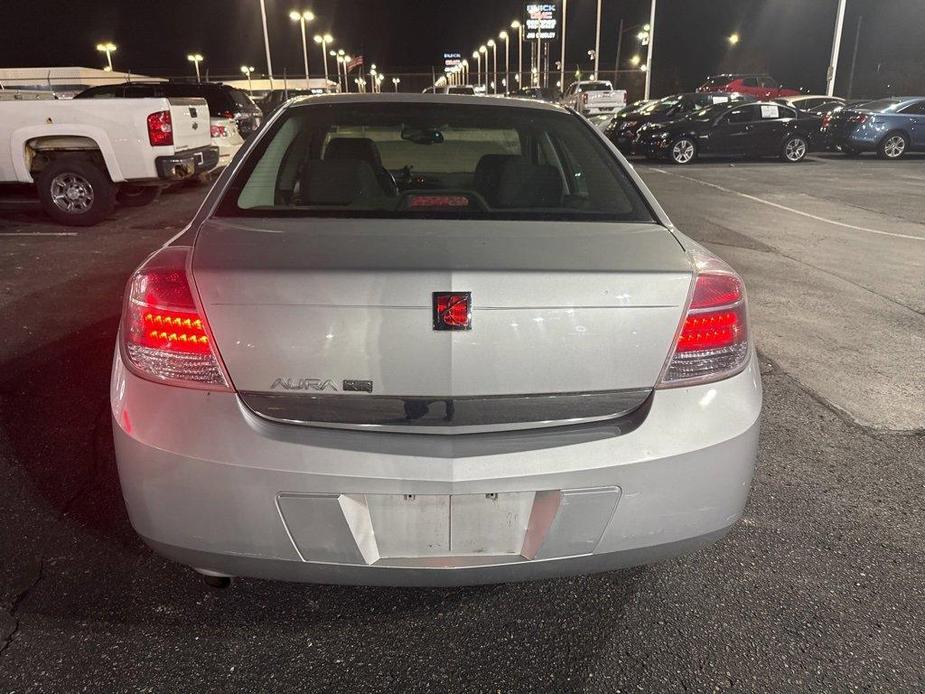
790 209
37 233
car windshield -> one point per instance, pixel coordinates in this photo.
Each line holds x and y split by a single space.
433 160
663 106
717 81
596 87
469 91
710 112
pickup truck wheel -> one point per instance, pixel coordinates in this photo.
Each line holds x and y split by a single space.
893 146
137 196
794 149
683 151
76 192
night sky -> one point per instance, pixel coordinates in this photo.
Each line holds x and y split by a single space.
789 38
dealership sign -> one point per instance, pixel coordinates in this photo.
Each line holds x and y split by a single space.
542 17
451 60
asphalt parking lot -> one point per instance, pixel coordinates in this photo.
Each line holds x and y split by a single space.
821 586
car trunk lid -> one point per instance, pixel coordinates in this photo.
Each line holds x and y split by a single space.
321 306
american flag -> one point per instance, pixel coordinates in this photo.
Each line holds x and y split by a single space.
355 63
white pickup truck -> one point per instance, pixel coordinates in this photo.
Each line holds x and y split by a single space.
594 97
85 155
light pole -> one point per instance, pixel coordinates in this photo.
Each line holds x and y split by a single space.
195 58
478 67
562 57
303 18
651 32
395 82
836 45
507 60
266 40
108 48
520 49
484 51
247 71
597 42
323 41
494 80
347 60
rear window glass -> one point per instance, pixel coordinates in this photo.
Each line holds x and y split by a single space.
469 91
882 105
596 87
432 160
219 100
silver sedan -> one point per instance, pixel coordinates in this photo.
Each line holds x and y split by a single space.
418 340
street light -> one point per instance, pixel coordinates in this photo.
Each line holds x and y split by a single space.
323 40
650 38
494 80
507 58
247 71
266 40
303 18
635 60
483 49
196 58
733 39
395 82
478 65
108 48
520 48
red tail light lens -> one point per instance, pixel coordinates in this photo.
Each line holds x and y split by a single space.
160 129
164 335
712 342
859 118
218 131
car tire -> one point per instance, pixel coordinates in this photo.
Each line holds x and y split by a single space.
137 196
682 151
76 192
893 146
794 149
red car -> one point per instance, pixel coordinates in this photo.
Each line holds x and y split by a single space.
762 87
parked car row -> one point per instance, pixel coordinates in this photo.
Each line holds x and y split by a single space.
683 127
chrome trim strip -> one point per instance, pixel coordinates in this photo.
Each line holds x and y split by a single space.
444 414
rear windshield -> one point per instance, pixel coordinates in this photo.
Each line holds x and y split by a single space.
881 105
596 87
468 91
717 81
432 160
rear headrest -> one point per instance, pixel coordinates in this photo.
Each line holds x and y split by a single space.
361 148
488 175
339 182
524 184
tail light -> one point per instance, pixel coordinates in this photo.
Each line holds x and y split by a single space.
584 98
859 118
164 334
218 131
712 342
160 129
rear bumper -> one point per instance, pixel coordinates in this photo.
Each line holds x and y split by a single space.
211 485
187 163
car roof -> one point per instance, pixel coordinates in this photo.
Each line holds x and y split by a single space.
408 98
